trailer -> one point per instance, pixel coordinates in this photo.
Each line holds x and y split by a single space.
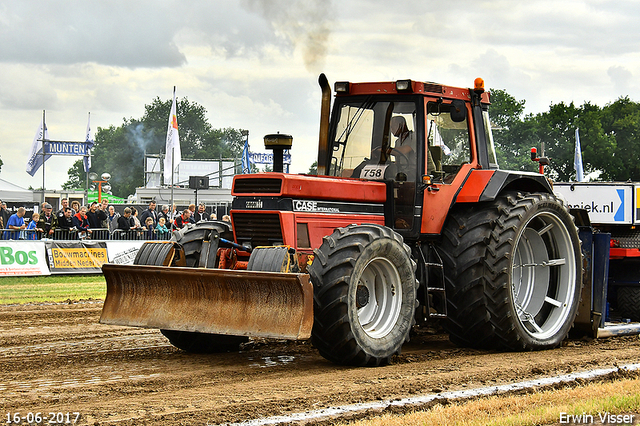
608 218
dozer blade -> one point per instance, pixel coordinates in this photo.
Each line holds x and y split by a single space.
219 301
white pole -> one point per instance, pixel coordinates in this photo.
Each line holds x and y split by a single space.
173 151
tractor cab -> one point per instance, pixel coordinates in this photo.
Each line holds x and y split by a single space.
403 135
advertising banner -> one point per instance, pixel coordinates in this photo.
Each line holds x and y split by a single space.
637 218
123 252
66 148
93 196
267 157
76 257
606 203
23 258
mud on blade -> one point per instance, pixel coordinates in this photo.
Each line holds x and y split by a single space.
220 301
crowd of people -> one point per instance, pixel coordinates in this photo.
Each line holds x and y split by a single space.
100 221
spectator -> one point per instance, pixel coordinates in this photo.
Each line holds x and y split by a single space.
66 222
75 207
164 213
161 228
81 223
173 215
48 221
104 208
150 212
213 216
4 214
95 216
148 229
112 219
183 219
192 217
64 203
201 214
226 218
15 224
32 229
124 223
133 219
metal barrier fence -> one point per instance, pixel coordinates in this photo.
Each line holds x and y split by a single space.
101 234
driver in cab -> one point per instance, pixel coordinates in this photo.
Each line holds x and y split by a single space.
405 147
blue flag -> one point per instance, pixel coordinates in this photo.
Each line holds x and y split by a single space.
89 142
577 159
36 159
246 161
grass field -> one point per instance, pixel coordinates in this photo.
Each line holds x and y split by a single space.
52 288
597 401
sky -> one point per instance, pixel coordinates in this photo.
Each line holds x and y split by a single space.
254 64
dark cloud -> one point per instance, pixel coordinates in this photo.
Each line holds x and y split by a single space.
125 33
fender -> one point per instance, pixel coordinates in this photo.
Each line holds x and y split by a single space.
486 185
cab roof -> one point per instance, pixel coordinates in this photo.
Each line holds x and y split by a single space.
404 87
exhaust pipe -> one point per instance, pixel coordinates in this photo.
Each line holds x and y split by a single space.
323 143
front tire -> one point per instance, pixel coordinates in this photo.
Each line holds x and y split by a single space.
364 295
191 238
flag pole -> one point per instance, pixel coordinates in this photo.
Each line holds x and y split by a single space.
43 153
87 171
173 151
173 156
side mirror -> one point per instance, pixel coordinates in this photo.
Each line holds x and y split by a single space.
458 111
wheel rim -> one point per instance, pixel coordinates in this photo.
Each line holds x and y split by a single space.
381 288
543 276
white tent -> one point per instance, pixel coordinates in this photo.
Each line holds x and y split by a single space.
13 193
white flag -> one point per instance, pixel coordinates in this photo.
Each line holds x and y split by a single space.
172 150
577 160
35 156
437 138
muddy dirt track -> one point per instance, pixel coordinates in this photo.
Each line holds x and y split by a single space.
57 358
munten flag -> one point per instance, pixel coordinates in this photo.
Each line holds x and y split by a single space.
35 156
89 142
172 150
577 160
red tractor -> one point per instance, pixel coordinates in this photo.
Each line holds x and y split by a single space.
409 219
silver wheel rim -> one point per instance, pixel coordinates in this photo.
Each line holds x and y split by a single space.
384 288
543 276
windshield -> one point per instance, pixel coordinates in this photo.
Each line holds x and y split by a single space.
375 140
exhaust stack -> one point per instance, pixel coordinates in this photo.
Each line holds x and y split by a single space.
323 143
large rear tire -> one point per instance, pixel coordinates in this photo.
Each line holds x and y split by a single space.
364 295
463 250
526 286
191 238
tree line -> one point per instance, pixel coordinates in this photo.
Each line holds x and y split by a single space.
610 139
120 150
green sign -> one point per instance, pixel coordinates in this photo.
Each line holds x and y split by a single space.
93 196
